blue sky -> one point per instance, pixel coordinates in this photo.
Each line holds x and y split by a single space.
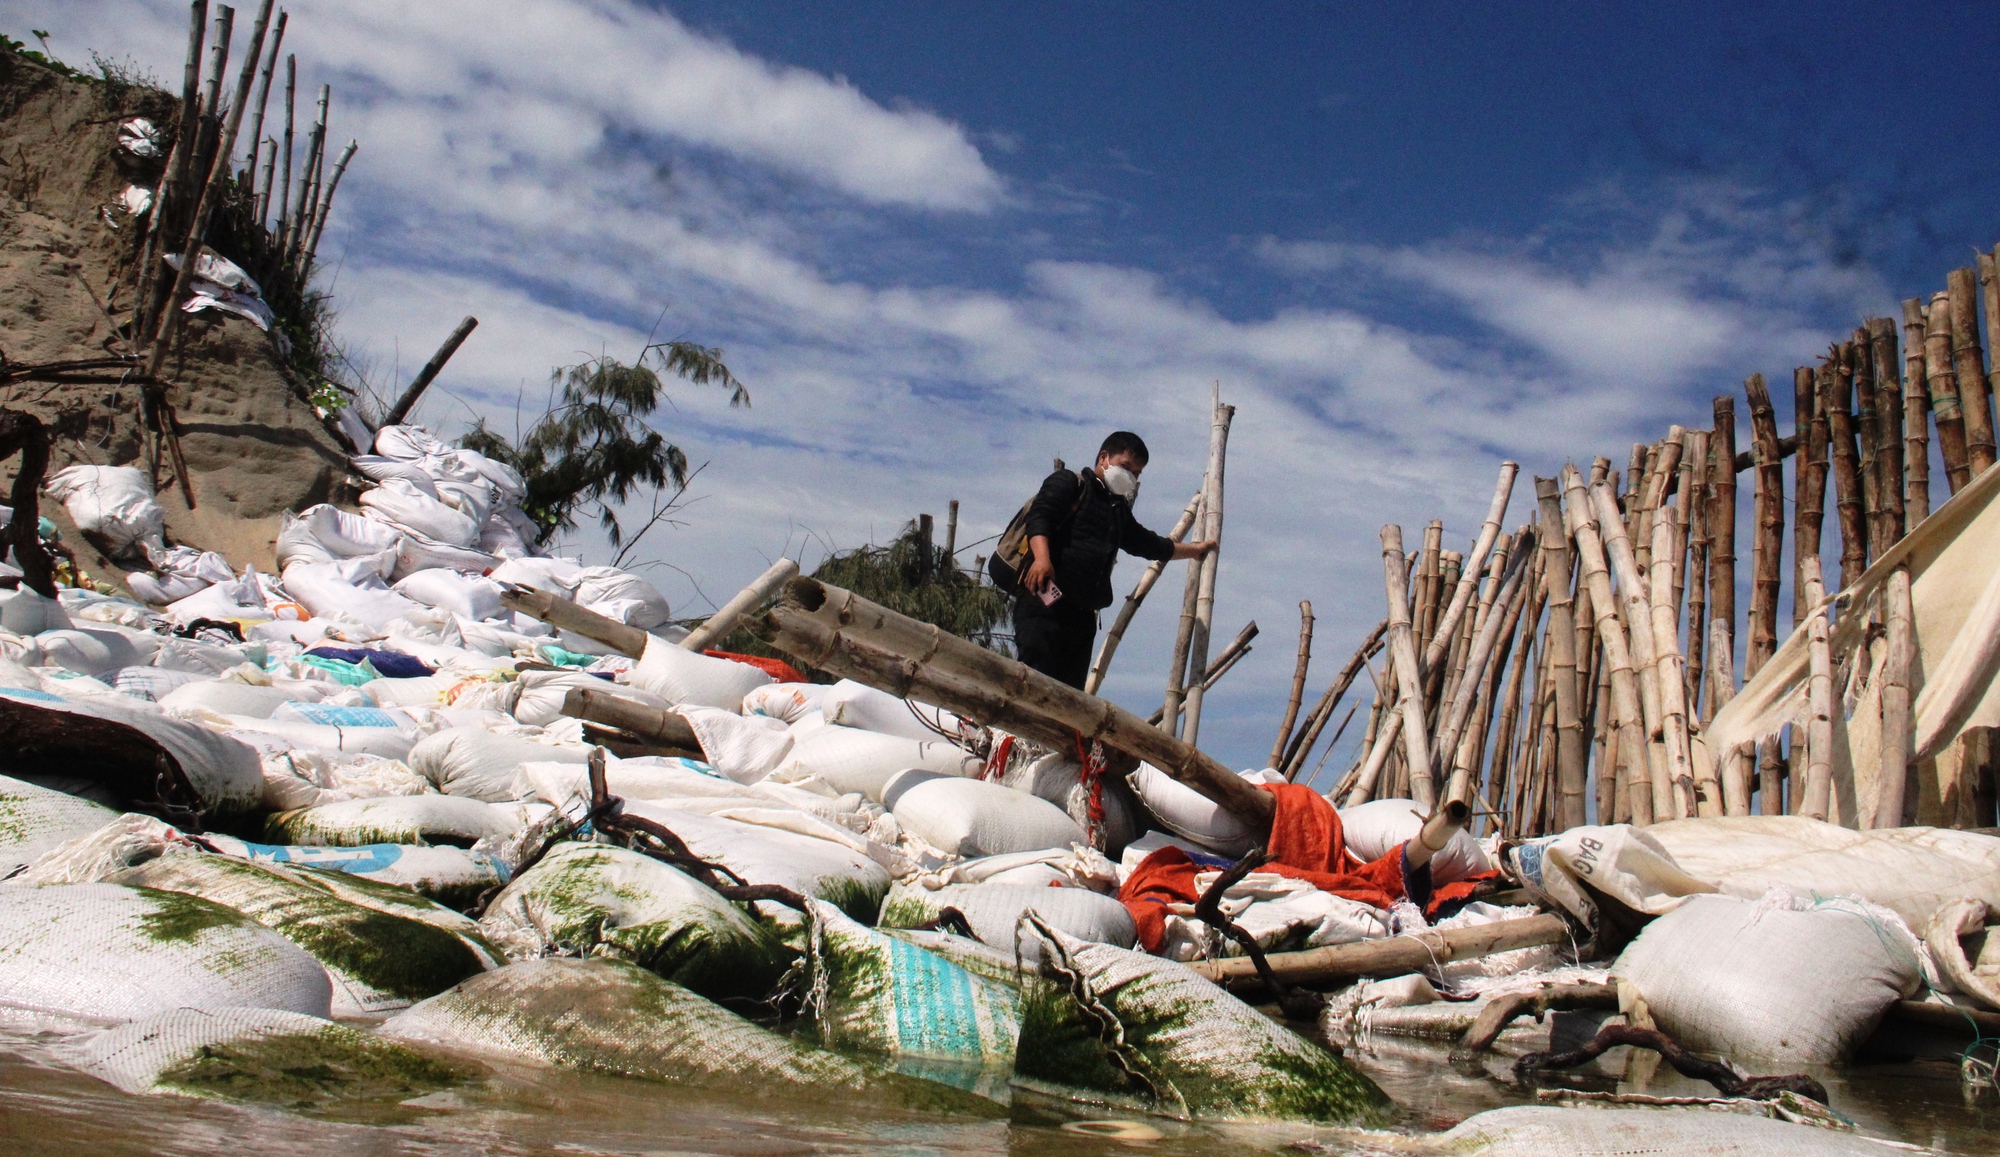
944 243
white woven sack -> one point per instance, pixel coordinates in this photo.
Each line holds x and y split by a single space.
113 501
402 819
1374 829
785 702
471 762
543 693
402 504
406 443
105 953
227 697
847 760
680 676
377 468
851 704
353 588
554 575
1772 984
24 612
326 533
622 595
829 871
387 742
447 590
417 553
34 820
89 651
1546 1130
970 817
224 773
1191 815
746 748
994 911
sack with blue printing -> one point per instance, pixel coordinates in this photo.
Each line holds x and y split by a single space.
454 877
878 994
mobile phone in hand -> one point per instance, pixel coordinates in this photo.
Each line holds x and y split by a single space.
1049 594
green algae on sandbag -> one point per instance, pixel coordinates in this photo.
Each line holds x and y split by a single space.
612 1017
262 1056
872 993
1110 1024
34 820
378 961
975 956
599 900
395 819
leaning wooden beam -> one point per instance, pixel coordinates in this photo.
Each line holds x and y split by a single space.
1459 710
1393 956
1974 399
1627 712
1403 650
1144 587
1468 581
842 633
1204 604
1298 695
653 725
718 625
565 615
429 373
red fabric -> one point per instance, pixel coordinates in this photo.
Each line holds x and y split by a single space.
777 669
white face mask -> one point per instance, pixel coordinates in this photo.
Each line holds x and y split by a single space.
1121 482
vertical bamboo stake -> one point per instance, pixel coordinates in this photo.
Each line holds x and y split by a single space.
1819 702
1151 576
1639 511
262 204
326 206
1846 473
1604 749
1571 768
1177 672
1810 475
1896 723
1489 531
1403 650
264 99
1974 399
295 230
1301 744
1604 606
1697 500
1693 467
211 99
1889 407
1298 685
285 149
1475 745
1635 604
1430 572
1989 284
1510 711
1767 549
1916 414
1457 636
1459 710
1722 556
179 160
1635 477
1688 796
1866 428
1204 611
1941 374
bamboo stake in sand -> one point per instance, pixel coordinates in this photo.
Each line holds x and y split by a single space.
1889 408
1689 797
1819 701
1722 556
1974 399
1809 474
284 188
1941 374
1489 530
179 159
1836 399
1896 723
1301 744
1866 432
326 204
1204 606
1403 651
1571 769
1298 695
1767 548
264 99
1144 587
1697 500
1611 635
1916 414
1635 605
1460 709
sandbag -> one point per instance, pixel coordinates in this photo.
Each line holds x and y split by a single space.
543 693
1549 1130
785 702
596 900
847 760
612 1017
684 677
1191 815
1109 1024
1777 982
87 650
113 501
995 911
327 533
622 595
557 576
447 590
746 748
477 764
811 867
1058 779
970 817
259 1055
35 820
24 612
418 691
403 505
851 704
1617 860
1913 870
412 819
872 993
378 961
367 739
227 697
224 774
417 552
106 953
153 683
352 588
1376 828
453 877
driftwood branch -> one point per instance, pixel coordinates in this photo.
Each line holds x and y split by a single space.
429 373
1687 1064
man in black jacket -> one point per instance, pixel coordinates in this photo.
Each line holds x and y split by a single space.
1076 526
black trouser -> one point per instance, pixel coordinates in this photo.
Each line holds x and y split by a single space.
1056 641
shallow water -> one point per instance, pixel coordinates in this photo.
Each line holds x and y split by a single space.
46 1109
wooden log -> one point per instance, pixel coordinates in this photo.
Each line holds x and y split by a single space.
1636 613
1394 956
836 631
431 369
1722 556
1813 800
1941 374
263 102
1301 744
1298 694
1130 607
718 625
1690 797
1403 650
1450 731
1889 412
1846 476
1975 398
1809 475
654 725
1557 564
1896 720
1489 532
1204 607
1611 635
566 615
1767 548
1916 419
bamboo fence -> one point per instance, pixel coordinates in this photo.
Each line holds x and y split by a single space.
1562 674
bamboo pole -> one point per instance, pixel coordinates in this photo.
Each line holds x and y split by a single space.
1889 410
1390 956
1689 796
263 201
429 373
1916 415
655 726
1500 779
1974 396
326 204
1403 651
1130 607
179 160
565 615
1696 498
1220 665
1204 613
1611 635
1819 702
206 144
284 188
1866 427
1941 373
1809 474
1722 556
718 625
295 230
1557 563
1846 472
1489 532
1662 462
1767 548
951 535
1430 575
1472 749
1604 750
1298 695
1451 565
1989 283
1693 465
1177 669
1451 730
1635 605
264 99
1301 744
1896 721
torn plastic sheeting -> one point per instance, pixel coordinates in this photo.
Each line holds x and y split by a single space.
250 309
140 137
218 271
